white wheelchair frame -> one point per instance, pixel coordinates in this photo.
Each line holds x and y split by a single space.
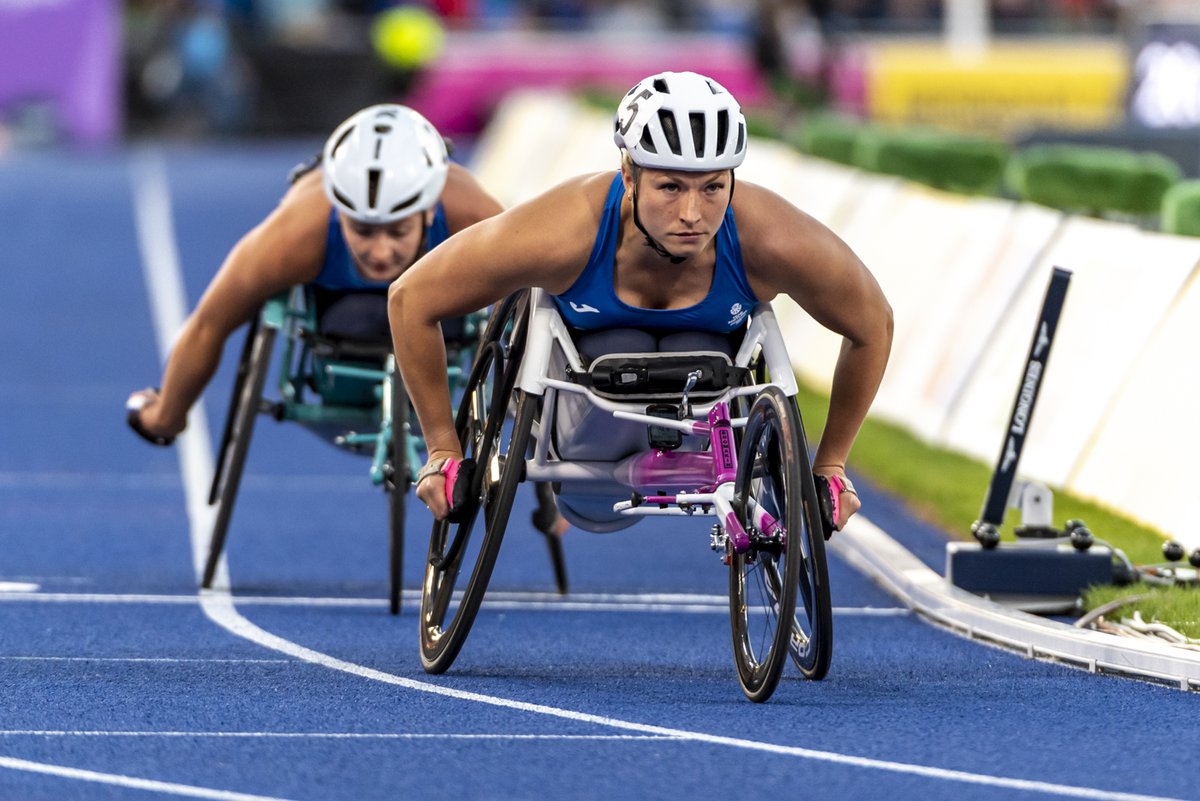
769 528
549 333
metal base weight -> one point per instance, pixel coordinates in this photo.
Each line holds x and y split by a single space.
1024 570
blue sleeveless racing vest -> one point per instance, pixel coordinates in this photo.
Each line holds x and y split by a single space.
592 303
338 271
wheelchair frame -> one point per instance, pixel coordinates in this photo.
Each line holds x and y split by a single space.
757 484
308 360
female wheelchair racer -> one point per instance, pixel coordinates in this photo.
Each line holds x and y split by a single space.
382 192
664 246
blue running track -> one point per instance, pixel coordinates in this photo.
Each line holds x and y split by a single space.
120 681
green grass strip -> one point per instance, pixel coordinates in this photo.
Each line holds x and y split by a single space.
1178 607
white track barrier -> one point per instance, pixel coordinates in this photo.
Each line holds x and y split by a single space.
966 277
926 284
1123 282
1019 238
862 217
1141 457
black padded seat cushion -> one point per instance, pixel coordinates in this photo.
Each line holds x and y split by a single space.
659 376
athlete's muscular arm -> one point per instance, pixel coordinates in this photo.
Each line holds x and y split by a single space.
544 242
283 250
466 201
786 251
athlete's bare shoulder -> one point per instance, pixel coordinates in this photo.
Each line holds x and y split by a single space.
292 237
306 199
465 200
576 201
306 193
785 249
565 219
596 186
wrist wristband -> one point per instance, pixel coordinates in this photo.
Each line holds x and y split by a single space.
437 467
842 484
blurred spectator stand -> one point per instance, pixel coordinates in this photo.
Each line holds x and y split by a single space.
60 71
476 69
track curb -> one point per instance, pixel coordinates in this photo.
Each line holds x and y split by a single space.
876 554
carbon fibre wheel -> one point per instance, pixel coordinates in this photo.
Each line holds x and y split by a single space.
397 479
494 423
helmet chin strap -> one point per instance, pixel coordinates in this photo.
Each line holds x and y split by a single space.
423 248
654 244
422 243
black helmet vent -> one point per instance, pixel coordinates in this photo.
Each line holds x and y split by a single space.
341 139
667 120
697 121
345 201
648 143
403 204
373 177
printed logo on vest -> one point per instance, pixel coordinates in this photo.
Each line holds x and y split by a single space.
736 314
580 309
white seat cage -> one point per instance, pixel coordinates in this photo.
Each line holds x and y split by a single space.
550 349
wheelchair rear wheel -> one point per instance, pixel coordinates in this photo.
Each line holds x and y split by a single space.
463 554
783 577
397 479
239 427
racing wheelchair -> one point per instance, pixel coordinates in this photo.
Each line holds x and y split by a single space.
723 439
342 388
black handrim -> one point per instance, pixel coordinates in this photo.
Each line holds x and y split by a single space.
812 641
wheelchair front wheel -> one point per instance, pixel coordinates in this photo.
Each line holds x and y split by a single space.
239 427
462 555
778 589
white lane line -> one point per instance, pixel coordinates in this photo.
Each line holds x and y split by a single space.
148 659
222 612
196 461
130 782
335 735
532 601
61 480
164 283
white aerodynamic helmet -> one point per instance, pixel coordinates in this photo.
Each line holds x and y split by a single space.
383 163
681 121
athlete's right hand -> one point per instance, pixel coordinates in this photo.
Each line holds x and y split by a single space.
837 499
443 485
431 491
141 414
